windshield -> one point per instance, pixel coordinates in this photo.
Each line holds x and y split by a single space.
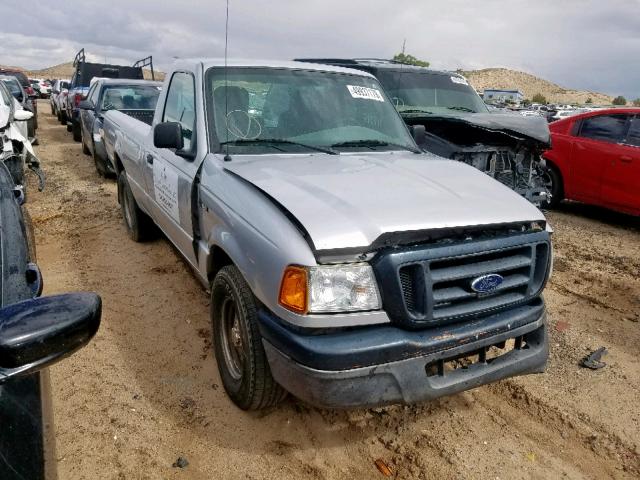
13 86
262 110
130 97
426 92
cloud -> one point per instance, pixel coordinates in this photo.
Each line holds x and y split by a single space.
585 44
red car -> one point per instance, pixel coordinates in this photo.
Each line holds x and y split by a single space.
595 158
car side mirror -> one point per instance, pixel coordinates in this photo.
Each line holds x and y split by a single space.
419 134
38 332
168 135
22 115
85 105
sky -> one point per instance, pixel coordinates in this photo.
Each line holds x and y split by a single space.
583 44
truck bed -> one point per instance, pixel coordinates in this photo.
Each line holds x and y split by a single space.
143 115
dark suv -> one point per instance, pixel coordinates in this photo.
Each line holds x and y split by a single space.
458 125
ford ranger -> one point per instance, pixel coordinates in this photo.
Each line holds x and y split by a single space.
345 265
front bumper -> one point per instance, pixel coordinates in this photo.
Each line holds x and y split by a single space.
385 365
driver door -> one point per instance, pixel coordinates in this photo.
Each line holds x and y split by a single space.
168 176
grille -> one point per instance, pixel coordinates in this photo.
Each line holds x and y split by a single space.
432 285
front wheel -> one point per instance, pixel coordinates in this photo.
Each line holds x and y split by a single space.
553 182
237 343
139 225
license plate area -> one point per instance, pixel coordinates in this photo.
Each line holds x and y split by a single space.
476 358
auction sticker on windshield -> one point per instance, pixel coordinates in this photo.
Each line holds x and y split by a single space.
165 185
365 92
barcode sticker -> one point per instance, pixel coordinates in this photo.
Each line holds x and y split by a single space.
366 93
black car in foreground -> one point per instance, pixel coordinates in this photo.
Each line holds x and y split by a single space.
35 332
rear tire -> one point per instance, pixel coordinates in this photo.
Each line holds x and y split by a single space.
77 131
553 182
237 343
139 225
85 149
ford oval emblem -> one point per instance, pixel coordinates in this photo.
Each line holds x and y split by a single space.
487 283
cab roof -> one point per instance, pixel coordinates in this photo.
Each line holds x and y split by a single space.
285 64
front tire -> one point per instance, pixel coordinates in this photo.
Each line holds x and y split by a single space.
139 225
553 182
237 343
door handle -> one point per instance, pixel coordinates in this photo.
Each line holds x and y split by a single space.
626 159
149 158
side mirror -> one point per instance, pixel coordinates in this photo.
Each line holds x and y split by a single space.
22 115
419 134
38 332
85 105
168 135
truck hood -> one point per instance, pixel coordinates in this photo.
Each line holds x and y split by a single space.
349 200
530 128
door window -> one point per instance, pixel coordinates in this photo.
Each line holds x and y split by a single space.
180 105
606 128
633 136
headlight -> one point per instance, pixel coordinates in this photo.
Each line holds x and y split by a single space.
330 289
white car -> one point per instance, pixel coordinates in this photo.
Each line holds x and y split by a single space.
45 87
16 151
59 91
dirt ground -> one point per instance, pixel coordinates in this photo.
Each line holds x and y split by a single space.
146 390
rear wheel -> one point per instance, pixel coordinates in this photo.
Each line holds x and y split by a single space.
139 226
76 130
553 182
101 168
237 343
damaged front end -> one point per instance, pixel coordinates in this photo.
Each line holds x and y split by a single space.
505 147
17 153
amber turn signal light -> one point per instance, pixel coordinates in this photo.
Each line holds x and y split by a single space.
293 289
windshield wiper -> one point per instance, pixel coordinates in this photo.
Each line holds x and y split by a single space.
372 143
276 141
462 109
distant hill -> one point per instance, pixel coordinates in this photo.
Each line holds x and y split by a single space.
529 85
65 70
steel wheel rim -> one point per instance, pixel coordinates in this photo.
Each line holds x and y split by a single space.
232 344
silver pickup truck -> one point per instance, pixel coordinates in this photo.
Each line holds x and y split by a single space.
345 266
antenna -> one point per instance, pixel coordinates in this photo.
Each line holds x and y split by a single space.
227 157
